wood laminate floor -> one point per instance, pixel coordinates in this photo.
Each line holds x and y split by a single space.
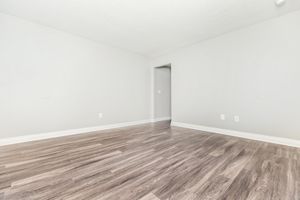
149 162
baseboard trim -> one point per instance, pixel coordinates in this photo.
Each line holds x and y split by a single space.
42 136
252 136
161 119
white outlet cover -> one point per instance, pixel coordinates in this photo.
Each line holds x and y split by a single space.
236 118
159 91
100 115
222 117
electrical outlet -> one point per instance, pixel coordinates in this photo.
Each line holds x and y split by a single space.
236 118
159 91
222 117
100 115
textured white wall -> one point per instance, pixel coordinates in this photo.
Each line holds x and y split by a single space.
253 73
162 92
51 80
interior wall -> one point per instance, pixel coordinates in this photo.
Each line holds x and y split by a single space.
253 73
51 80
162 85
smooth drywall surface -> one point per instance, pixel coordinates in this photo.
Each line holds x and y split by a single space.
253 73
52 81
162 92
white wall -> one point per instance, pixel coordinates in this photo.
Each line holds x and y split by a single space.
51 80
162 92
253 73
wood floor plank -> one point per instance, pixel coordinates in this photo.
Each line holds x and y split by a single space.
149 162
150 197
222 178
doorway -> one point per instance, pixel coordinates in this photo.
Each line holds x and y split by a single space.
162 108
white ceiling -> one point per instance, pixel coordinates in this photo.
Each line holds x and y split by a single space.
148 27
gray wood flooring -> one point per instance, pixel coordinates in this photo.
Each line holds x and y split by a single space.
149 162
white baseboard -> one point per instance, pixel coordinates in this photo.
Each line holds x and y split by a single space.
41 136
161 119
252 136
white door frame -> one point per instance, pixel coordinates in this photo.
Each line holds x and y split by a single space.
152 106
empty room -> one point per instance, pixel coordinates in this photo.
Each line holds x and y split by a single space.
149 100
